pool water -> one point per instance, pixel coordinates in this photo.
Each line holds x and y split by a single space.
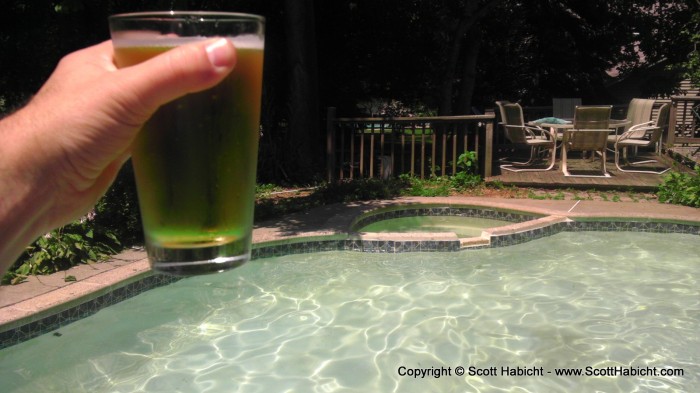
462 226
348 322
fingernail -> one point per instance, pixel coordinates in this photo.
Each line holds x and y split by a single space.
221 53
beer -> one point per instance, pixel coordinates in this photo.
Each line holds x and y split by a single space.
195 161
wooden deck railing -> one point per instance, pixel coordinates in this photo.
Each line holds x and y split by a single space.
420 146
684 124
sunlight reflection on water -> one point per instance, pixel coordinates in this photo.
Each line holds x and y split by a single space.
346 321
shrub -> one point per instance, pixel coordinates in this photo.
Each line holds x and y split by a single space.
432 187
80 242
467 176
119 210
681 188
114 223
360 190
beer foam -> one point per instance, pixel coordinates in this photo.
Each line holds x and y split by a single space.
151 39
248 41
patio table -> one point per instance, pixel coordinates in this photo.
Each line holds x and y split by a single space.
615 124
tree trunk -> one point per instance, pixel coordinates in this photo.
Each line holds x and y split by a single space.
466 89
474 11
445 106
302 103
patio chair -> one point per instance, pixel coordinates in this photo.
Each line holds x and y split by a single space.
642 135
589 133
563 108
638 112
502 115
504 133
531 137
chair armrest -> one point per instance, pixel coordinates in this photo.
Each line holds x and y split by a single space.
637 133
543 132
641 125
534 130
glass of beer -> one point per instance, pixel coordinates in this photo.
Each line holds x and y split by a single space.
195 159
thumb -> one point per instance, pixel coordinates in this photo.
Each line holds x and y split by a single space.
179 71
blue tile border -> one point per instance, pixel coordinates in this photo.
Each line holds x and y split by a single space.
79 311
47 323
418 210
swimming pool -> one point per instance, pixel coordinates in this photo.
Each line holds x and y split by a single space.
464 221
343 321
461 226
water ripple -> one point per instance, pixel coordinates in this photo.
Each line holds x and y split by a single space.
345 322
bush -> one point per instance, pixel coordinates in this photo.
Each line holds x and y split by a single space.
360 190
432 187
114 223
79 242
119 210
681 188
467 176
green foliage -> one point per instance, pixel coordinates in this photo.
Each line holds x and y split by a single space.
432 187
114 223
681 188
266 189
692 65
119 210
360 190
532 195
467 176
77 243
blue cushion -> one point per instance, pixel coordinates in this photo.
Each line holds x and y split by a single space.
551 120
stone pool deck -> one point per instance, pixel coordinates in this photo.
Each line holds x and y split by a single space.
19 303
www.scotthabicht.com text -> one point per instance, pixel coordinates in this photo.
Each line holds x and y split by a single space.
517 371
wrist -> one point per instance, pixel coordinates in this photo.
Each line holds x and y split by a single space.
24 188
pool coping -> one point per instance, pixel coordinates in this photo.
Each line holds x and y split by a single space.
47 303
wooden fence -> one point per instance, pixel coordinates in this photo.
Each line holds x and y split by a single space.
684 124
420 146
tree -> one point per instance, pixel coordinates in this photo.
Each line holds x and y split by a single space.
465 41
446 54
564 47
302 101
691 33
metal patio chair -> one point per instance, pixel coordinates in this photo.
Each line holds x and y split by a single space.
589 134
519 134
642 135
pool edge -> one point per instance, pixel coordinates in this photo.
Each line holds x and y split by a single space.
554 218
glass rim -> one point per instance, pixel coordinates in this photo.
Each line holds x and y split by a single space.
175 15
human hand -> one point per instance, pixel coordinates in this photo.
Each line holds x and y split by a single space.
62 150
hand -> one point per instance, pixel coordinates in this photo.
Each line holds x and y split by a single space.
61 152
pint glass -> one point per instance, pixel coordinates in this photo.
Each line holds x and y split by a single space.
195 159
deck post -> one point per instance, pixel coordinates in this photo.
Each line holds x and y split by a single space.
488 148
330 143
673 119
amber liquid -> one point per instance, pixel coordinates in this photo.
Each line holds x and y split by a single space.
195 159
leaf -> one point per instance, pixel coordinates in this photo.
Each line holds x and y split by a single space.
70 279
113 237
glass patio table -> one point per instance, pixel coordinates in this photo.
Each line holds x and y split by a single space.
615 124
558 128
